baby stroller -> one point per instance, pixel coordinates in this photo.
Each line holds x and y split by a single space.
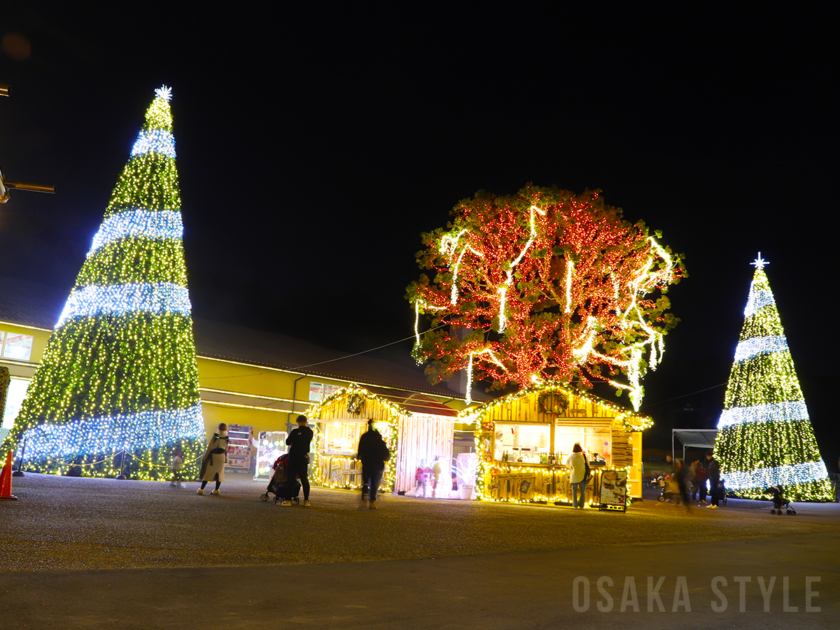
721 489
779 501
277 484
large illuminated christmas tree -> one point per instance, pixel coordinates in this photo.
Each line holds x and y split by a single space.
765 436
117 388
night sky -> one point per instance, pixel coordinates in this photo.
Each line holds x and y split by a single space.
316 142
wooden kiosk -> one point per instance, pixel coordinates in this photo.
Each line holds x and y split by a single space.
340 419
523 441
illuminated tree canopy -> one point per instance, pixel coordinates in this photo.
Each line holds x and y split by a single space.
543 285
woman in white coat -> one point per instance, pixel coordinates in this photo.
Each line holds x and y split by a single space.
577 465
215 458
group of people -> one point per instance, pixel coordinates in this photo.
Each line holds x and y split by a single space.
373 453
699 478
436 475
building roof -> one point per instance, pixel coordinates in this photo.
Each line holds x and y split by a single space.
236 343
32 304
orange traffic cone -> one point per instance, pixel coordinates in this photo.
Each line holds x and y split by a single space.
6 480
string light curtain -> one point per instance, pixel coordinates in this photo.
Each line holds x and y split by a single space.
423 438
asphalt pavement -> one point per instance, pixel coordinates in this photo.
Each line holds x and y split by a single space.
91 553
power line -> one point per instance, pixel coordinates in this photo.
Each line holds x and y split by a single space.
683 396
300 367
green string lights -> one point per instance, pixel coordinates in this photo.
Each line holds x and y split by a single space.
117 389
765 436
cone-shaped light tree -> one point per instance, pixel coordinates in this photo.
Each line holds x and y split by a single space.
765 437
119 372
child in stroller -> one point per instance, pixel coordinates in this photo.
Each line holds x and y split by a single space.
277 484
670 489
779 501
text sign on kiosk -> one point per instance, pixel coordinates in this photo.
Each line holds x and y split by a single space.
614 489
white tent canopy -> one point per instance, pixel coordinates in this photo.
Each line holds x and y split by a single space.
693 438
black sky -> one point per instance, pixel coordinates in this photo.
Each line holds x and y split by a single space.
316 142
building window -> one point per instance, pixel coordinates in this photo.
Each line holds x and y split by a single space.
15 346
14 399
319 391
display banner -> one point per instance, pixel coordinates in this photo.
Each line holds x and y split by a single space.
614 489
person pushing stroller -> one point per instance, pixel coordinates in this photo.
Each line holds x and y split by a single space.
297 464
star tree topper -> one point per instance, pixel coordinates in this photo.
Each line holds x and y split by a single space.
164 92
759 263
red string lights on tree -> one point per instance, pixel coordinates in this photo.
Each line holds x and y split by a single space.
544 285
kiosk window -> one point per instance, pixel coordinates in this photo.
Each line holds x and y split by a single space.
525 442
341 437
594 440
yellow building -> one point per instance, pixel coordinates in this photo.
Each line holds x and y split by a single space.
248 378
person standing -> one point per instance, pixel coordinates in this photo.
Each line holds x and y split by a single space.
577 465
215 458
700 481
297 464
177 467
713 473
373 453
437 471
682 473
421 477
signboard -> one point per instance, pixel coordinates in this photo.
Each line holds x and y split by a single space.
239 447
271 445
614 489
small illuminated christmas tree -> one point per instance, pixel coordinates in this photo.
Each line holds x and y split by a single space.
765 436
119 372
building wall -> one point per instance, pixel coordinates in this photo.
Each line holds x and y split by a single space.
231 391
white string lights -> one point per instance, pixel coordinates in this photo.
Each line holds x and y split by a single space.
154 141
765 436
509 272
788 475
749 348
632 318
160 224
117 388
786 411
92 436
92 301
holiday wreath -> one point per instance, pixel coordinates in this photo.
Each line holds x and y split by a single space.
553 403
354 403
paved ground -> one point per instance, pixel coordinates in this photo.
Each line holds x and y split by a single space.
83 553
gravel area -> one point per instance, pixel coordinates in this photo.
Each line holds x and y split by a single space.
74 523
